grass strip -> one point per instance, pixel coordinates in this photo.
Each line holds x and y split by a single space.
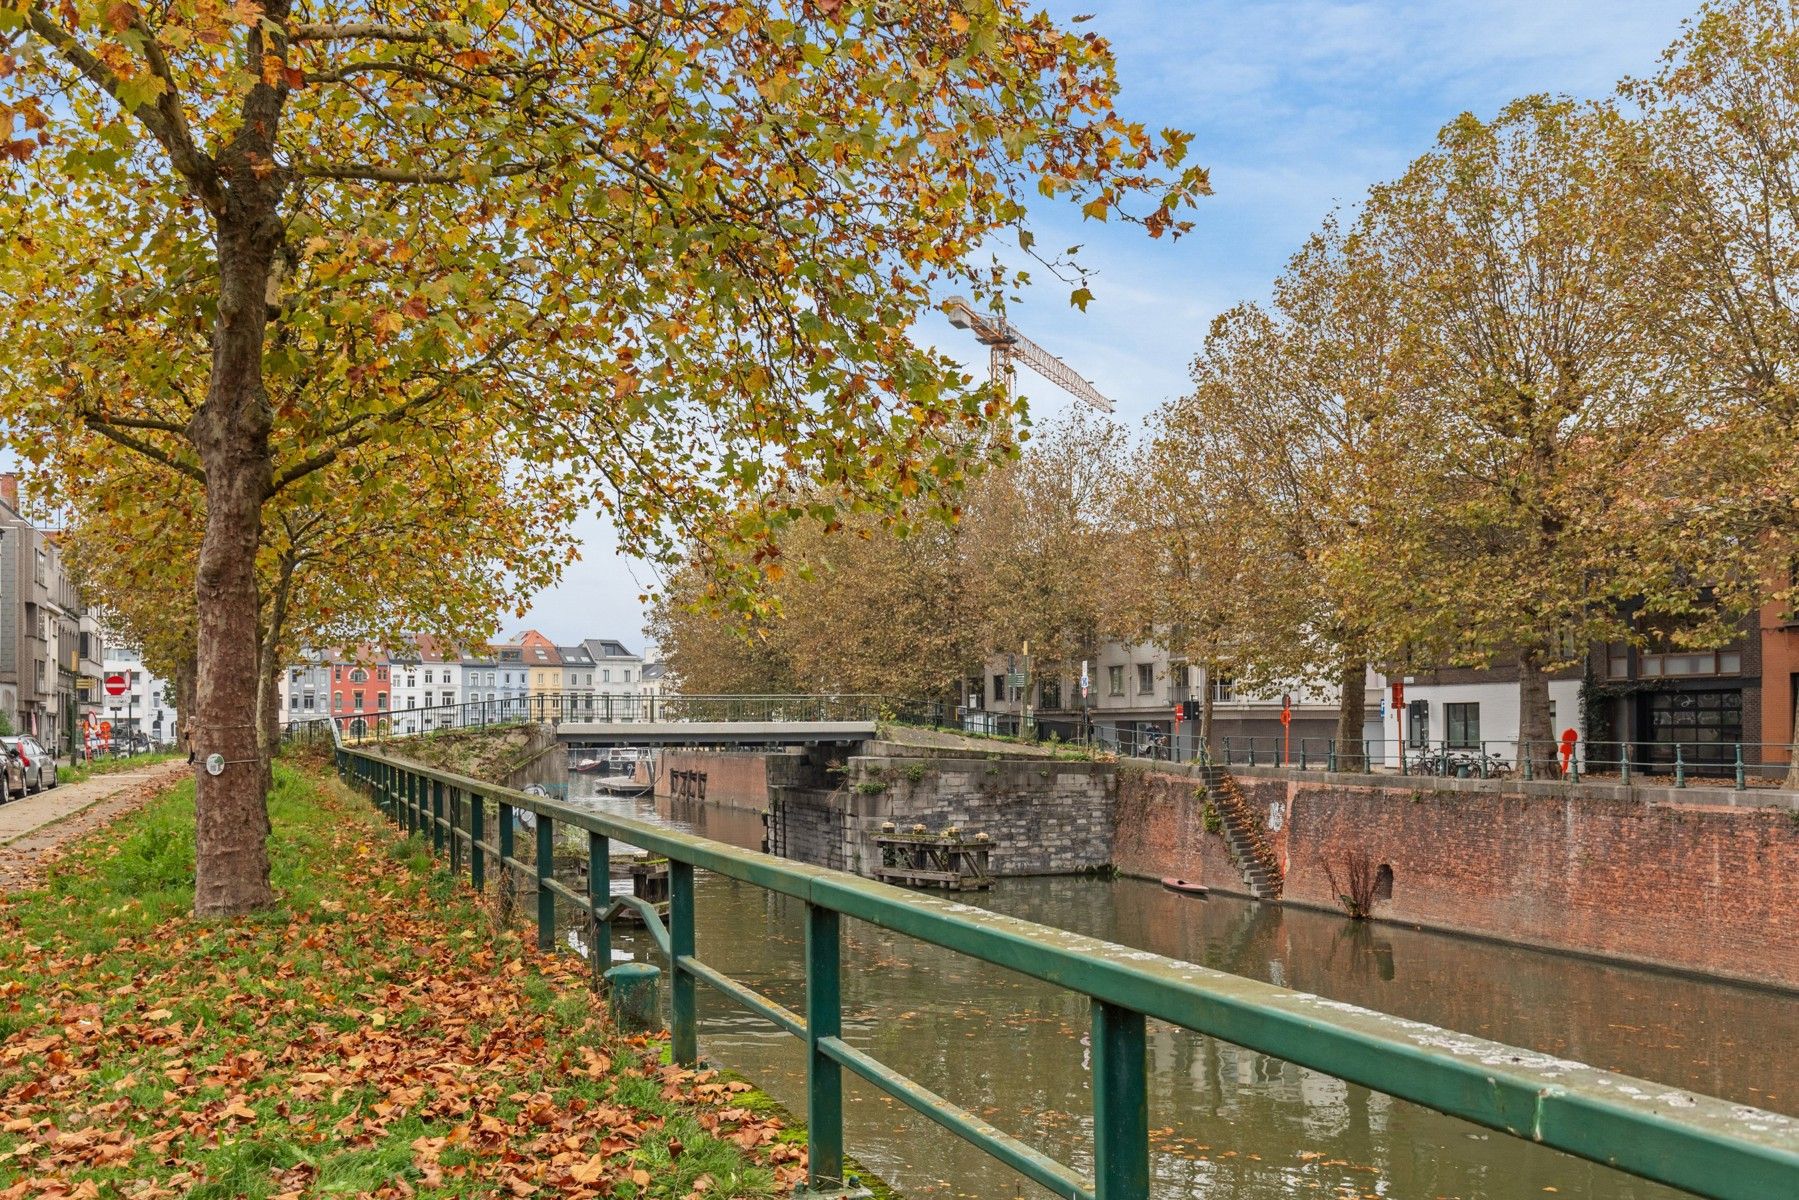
373 1035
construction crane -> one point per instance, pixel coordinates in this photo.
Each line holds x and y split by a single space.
1004 343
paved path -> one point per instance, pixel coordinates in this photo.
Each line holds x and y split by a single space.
34 829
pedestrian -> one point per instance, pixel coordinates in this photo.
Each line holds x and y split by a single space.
190 745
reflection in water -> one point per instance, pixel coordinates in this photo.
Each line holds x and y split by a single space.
1226 1122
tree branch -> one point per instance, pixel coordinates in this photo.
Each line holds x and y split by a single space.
368 31
177 141
186 156
371 173
362 427
147 449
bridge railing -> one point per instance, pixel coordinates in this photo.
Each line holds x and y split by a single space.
1705 1145
556 708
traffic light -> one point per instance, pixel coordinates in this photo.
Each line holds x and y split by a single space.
1190 710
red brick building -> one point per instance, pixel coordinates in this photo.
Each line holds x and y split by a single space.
361 689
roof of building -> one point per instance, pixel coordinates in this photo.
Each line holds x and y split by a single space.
606 648
434 650
652 671
575 656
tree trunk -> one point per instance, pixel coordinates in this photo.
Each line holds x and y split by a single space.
1208 689
268 670
1536 738
231 433
1352 713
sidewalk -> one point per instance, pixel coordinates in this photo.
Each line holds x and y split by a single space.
33 828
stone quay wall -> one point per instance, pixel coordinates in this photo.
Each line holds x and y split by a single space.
1042 817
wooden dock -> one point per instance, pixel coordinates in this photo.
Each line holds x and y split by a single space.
947 860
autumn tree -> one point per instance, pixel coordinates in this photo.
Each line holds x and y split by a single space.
1033 546
1266 469
1722 176
370 555
1516 248
680 248
1174 564
853 607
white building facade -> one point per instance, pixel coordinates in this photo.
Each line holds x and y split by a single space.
147 709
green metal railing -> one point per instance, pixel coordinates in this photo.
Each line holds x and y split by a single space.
1704 1145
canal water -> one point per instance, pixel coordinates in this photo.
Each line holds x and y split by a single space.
1226 1123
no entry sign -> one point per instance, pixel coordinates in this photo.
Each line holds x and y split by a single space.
115 685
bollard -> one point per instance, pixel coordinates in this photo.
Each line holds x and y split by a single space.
635 999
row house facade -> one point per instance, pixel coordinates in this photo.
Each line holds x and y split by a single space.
422 684
49 646
1133 694
1644 700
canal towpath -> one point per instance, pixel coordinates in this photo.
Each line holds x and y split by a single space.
34 829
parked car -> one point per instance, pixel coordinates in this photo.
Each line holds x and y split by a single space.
36 766
14 776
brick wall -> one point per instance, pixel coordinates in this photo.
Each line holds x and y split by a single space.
1160 823
1703 888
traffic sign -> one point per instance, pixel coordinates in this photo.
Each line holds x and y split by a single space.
106 729
1286 716
116 685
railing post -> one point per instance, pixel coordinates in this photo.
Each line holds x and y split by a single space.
410 801
546 870
1120 1104
1524 763
599 895
684 1026
1624 760
1680 767
450 806
1741 782
507 851
477 857
437 816
824 1078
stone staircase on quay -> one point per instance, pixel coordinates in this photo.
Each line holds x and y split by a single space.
1244 833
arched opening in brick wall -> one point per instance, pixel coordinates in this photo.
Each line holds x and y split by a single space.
1383 883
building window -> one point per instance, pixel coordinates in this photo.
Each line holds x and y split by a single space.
1224 688
356 696
1115 680
449 698
1049 695
627 674
1417 723
606 676
1462 725
412 680
293 676
293 702
337 701
358 675
427 677
1703 662
380 699
337 674
1146 678
999 687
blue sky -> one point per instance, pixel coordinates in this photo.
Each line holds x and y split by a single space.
1297 106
